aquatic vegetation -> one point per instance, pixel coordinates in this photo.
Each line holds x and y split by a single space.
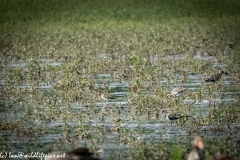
58 57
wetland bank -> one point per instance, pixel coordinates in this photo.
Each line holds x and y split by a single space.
58 57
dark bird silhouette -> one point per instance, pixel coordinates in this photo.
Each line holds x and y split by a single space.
174 116
76 154
215 77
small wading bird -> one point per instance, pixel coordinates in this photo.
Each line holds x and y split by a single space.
106 97
215 77
198 152
178 91
76 154
174 116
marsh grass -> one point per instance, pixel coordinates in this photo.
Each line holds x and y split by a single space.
54 55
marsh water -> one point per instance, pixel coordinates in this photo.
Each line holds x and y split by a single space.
45 121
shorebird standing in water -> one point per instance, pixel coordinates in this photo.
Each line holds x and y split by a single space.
174 116
106 97
215 77
178 91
